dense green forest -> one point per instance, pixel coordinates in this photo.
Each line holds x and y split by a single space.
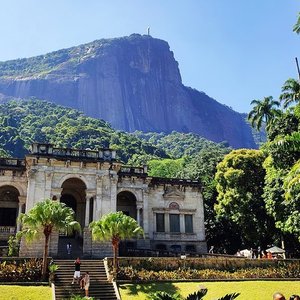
24 122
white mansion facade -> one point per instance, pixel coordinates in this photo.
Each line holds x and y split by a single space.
94 183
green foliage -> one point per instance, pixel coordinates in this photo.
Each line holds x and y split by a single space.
53 268
286 124
296 27
194 296
168 168
44 217
279 271
164 296
290 92
230 296
25 122
115 227
240 182
197 295
263 112
78 297
176 144
13 246
21 270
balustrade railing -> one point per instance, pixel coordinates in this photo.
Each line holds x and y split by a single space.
12 162
49 150
7 230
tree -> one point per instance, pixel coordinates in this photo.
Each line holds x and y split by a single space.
291 92
240 182
168 168
46 216
296 27
291 185
115 227
263 112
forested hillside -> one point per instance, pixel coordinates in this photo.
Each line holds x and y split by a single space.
24 122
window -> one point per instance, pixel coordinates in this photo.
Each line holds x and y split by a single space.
160 222
174 223
8 216
188 222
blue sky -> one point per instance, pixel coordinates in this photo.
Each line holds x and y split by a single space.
233 50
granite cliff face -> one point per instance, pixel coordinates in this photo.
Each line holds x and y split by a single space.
132 82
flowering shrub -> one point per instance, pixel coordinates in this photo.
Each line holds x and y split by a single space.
129 273
21 270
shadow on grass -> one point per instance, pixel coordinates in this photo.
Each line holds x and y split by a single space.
148 288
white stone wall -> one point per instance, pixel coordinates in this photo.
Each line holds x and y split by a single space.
45 177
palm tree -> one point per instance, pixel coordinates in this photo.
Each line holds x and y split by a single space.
263 112
115 227
291 92
296 27
46 216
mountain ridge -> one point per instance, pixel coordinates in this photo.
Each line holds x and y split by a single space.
132 82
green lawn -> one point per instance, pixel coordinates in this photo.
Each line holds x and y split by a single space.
16 292
254 290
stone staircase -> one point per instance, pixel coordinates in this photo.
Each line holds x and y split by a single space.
100 288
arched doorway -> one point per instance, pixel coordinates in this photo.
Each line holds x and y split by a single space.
9 206
126 202
9 203
74 196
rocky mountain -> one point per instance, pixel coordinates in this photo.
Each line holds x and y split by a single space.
133 82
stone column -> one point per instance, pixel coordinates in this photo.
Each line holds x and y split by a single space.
87 211
182 227
22 200
167 222
138 213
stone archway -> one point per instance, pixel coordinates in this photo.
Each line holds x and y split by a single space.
9 206
73 194
126 202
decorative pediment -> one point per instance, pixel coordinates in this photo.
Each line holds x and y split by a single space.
173 193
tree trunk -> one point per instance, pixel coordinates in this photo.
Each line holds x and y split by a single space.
45 256
115 261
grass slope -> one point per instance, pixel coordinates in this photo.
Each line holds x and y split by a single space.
15 292
254 290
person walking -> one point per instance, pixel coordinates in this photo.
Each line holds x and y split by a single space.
69 248
76 276
86 280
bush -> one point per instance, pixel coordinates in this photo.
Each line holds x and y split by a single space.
129 273
13 246
21 270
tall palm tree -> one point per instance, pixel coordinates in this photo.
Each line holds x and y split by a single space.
296 27
291 92
115 227
44 217
263 112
